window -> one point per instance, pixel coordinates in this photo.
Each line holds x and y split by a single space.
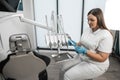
112 14
71 11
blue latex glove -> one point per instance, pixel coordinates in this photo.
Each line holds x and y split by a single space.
80 50
71 43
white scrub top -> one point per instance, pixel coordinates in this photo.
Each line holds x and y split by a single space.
85 67
100 40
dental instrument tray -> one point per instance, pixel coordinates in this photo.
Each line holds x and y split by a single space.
62 57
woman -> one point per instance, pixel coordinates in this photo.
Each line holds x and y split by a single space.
94 49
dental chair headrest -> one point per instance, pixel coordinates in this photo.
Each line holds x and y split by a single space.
18 37
19 43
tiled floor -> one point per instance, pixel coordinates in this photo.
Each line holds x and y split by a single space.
113 72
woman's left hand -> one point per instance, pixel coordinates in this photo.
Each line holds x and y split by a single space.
80 50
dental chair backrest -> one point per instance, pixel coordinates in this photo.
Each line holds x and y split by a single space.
24 67
22 64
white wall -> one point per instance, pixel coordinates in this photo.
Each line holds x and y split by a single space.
14 26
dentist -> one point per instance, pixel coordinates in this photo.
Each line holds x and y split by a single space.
93 50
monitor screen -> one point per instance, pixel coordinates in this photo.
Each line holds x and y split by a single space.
9 5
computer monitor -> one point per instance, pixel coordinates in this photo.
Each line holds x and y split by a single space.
9 5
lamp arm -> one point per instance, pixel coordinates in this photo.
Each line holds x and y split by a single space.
22 19
32 22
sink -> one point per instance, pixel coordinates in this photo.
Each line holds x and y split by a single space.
62 57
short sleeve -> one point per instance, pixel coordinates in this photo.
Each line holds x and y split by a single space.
106 44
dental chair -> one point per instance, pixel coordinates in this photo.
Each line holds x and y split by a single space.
23 63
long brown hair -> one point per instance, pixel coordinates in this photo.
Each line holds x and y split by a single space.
97 12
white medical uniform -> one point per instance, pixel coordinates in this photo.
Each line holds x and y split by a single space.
86 67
